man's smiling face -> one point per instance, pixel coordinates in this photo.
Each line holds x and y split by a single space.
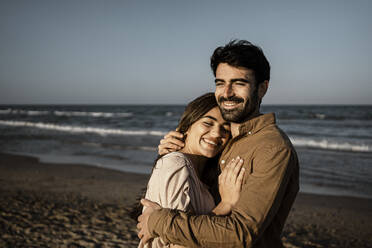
236 93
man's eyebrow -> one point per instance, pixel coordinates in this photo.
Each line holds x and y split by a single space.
234 80
240 80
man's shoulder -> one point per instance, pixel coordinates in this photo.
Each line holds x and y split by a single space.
272 135
268 136
269 149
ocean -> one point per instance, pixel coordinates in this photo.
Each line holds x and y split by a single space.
334 143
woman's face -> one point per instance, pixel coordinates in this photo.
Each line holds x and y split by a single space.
208 135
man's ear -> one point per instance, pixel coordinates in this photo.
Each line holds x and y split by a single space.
262 88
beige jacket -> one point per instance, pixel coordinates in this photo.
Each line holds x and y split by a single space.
270 186
174 184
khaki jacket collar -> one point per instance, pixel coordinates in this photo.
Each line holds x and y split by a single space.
255 124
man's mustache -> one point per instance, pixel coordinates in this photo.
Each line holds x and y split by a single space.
231 99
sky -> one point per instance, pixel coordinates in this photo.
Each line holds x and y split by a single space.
157 52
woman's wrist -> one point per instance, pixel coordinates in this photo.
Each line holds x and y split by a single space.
223 208
227 205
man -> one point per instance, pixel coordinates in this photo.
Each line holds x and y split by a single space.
242 75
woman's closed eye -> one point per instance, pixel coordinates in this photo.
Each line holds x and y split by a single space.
209 124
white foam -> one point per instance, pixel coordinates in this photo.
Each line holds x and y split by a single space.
92 144
64 113
22 112
118 147
331 145
34 112
91 114
320 116
79 129
5 111
147 148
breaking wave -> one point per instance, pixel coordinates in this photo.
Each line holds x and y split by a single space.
63 113
80 129
331 145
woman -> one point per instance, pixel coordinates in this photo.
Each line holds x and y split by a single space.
179 179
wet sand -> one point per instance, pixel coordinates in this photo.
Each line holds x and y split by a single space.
62 205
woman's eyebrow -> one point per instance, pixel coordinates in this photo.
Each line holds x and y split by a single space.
213 118
210 117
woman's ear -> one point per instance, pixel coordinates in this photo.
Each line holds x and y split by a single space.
184 136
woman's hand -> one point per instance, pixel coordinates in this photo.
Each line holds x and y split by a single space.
171 142
229 185
230 181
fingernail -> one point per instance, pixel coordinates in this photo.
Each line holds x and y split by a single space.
241 160
237 157
222 161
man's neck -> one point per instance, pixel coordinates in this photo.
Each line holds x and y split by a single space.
234 129
235 126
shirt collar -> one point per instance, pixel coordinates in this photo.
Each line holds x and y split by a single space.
256 124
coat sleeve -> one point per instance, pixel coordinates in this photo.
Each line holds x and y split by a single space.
260 200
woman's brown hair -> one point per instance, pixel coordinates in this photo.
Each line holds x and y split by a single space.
195 110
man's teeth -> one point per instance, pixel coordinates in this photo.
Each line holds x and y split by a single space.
230 103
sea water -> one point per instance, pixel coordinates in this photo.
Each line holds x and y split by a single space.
334 143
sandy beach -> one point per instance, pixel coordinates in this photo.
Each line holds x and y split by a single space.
60 205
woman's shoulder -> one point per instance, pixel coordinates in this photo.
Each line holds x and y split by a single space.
175 155
173 160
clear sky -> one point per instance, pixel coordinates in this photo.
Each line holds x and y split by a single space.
144 52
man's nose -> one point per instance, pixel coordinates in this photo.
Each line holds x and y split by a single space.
228 91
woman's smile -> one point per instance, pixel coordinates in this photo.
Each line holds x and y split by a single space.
207 136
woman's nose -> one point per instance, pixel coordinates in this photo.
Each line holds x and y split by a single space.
216 131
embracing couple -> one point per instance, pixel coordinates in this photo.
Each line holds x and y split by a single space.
228 176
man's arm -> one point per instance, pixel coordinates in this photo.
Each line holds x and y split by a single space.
260 200
171 142
230 182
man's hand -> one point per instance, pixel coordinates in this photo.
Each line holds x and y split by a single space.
143 230
172 142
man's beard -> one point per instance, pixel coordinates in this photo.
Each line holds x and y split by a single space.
241 113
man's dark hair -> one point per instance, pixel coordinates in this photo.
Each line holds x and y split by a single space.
242 53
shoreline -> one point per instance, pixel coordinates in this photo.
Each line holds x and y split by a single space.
311 189
71 204
94 182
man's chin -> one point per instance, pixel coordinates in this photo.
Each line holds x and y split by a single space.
231 116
